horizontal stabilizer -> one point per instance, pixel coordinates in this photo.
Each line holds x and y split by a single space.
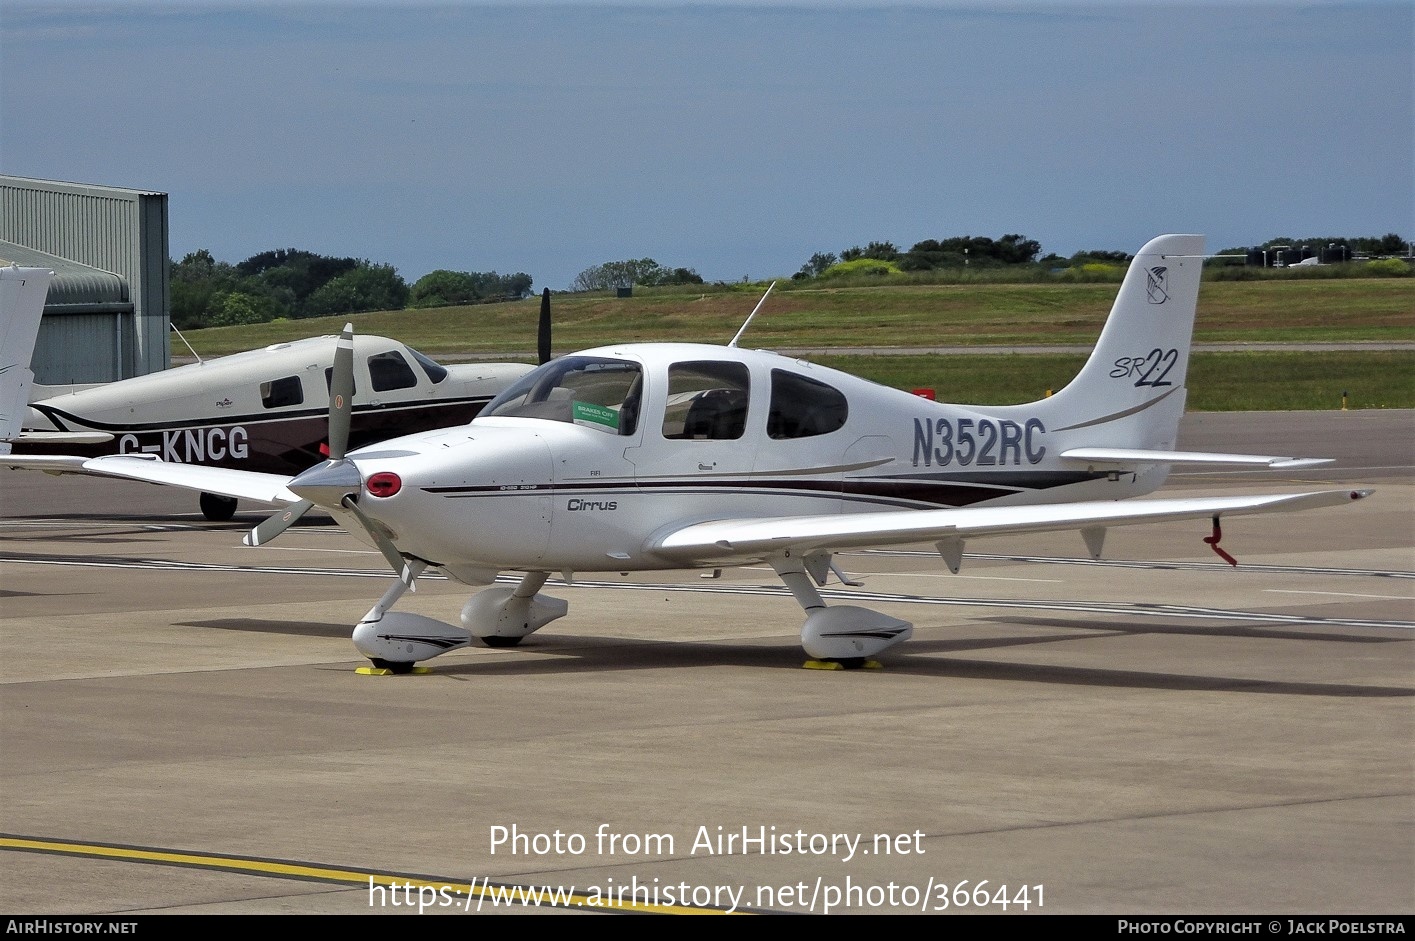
1141 456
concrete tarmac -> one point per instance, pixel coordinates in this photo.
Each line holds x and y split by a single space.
183 730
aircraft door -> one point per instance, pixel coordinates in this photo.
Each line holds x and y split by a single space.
697 435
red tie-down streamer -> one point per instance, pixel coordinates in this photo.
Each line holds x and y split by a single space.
1213 544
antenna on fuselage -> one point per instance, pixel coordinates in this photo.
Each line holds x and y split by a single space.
186 344
751 315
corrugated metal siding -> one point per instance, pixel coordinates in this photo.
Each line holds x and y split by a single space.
79 289
118 230
81 348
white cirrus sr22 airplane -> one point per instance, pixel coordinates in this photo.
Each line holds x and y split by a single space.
664 456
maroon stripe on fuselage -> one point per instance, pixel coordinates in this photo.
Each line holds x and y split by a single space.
894 492
272 445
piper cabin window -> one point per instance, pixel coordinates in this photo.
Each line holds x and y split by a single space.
280 393
329 381
389 371
583 390
706 401
803 408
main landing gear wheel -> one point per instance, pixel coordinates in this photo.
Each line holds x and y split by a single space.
217 508
396 667
844 663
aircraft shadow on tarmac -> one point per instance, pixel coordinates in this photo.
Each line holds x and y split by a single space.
561 654
258 626
1263 633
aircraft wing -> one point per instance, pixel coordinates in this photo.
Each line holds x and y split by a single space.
724 540
1139 456
248 485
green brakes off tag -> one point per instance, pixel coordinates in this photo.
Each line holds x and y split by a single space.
587 413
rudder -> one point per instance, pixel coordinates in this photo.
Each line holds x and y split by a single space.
22 295
1131 390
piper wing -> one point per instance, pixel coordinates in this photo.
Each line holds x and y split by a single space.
248 485
724 540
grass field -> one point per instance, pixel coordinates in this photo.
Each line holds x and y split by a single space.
949 315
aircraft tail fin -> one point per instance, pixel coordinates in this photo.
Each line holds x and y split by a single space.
1130 393
22 294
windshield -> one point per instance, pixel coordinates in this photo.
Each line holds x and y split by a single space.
582 390
434 372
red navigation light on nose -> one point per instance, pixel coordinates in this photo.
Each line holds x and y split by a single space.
384 484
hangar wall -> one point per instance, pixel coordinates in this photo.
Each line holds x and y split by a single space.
117 230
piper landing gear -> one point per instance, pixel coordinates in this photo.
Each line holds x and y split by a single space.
845 636
217 508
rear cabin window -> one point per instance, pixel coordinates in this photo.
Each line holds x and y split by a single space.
280 393
803 408
389 371
706 401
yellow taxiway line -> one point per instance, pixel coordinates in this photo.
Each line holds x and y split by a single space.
480 894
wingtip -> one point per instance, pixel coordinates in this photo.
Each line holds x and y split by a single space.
1295 462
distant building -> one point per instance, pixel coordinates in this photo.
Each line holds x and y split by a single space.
109 305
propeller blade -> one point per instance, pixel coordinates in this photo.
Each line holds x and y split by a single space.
276 524
543 332
335 474
385 545
341 394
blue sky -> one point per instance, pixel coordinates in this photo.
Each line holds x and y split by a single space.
732 138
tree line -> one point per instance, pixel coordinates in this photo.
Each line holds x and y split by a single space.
882 258
625 274
289 283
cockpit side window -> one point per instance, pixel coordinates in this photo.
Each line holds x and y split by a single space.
706 401
281 393
389 371
803 408
581 390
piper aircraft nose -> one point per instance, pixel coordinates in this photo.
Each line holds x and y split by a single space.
327 484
